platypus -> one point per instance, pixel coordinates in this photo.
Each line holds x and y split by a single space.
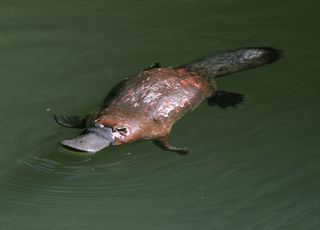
146 106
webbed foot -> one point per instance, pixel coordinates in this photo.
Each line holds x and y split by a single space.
164 144
70 121
226 99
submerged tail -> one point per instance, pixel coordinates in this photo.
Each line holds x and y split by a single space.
228 62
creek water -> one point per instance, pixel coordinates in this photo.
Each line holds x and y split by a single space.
251 167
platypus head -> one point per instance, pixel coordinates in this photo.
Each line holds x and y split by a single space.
92 139
105 132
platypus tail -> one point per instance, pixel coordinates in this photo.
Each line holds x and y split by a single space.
228 62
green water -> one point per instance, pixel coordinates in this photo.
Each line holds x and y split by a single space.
252 167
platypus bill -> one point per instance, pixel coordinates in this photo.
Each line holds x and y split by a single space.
146 106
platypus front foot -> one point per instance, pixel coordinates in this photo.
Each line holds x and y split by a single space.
164 144
70 121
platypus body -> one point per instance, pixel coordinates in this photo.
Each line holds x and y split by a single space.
146 106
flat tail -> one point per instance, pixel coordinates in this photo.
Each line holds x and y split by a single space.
233 61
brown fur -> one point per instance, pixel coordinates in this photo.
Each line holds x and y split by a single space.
148 104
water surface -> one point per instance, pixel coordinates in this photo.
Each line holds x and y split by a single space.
251 167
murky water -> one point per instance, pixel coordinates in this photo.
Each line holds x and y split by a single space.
251 167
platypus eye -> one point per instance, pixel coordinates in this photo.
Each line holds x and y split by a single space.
121 130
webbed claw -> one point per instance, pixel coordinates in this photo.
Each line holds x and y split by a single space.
70 121
164 144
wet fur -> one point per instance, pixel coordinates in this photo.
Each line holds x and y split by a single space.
146 106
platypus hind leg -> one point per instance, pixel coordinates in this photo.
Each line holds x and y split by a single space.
164 144
70 121
225 99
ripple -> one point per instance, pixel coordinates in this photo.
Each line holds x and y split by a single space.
55 178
